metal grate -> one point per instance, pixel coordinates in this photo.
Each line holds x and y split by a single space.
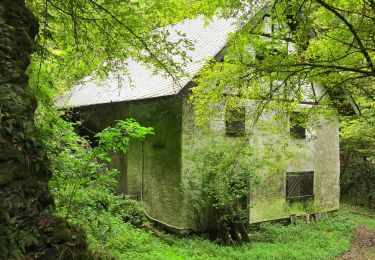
299 184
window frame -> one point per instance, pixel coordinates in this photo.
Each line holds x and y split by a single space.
236 125
296 131
302 184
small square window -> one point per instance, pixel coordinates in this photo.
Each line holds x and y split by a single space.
296 130
260 56
235 121
299 184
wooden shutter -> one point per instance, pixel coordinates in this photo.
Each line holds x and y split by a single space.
307 183
293 187
299 184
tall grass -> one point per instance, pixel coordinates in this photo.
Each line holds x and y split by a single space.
322 239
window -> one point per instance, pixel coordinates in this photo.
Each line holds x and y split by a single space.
261 55
299 184
296 130
235 121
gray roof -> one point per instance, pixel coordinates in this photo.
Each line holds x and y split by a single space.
208 41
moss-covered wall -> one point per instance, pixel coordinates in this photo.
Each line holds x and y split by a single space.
195 142
318 153
168 156
162 158
162 154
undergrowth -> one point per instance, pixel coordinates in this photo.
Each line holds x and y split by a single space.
83 192
323 239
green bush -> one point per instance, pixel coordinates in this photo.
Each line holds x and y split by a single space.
131 211
218 185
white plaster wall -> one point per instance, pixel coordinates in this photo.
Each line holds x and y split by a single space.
319 152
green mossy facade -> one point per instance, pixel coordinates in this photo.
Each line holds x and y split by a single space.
167 156
319 152
162 195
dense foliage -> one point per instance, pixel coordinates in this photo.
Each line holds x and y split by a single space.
81 177
78 38
358 157
283 45
333 42
82 184
218 184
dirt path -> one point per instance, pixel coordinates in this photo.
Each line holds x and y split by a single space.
363 247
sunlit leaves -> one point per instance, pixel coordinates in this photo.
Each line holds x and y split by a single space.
290 43
78 37
116 139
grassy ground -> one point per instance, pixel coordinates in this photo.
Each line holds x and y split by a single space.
323 239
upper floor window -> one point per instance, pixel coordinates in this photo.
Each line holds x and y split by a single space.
235 121
296 129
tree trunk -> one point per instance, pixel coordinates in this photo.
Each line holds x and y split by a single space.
26 231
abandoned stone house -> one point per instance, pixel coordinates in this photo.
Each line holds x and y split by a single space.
308 184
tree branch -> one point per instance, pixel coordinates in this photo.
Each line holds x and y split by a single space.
61 10
337 67
353 31
139 38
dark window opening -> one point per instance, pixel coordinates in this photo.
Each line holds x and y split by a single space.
299 184
235 121
261 55
296 129
82 125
